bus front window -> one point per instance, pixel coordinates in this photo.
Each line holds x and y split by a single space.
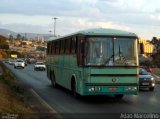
98 51
110 52
125 51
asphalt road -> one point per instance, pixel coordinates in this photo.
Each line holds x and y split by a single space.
64 103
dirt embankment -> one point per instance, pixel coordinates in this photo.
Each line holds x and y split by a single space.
12 99
18 102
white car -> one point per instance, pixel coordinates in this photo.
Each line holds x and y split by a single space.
40 66
19 63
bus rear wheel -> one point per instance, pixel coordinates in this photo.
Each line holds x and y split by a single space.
53 80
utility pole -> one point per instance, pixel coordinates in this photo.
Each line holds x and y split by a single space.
55 18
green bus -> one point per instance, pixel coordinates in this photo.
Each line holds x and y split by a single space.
95 62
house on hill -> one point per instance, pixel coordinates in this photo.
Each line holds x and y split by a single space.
3 43
3 46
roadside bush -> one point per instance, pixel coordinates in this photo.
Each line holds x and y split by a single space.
8 79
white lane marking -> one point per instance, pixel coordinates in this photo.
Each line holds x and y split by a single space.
51 110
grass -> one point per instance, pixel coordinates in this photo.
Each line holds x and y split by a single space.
17 102
12 96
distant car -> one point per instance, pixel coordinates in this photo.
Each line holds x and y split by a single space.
148 69
6 60
31 60
11 61
40 66
146 80
19 64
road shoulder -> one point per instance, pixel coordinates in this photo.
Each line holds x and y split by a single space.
40 108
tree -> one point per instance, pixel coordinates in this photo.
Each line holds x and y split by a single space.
156 42
19 36
11 37
156 55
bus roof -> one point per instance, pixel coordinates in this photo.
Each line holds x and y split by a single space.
107 32
99 32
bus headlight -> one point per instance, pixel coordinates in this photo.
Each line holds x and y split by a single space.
131 88
153 84
91 89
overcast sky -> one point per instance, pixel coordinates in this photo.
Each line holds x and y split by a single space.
35 16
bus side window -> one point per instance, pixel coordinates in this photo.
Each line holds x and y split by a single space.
80 51
57 47
74 45
48 48
67 46
141 48
62 47
59 43
51 48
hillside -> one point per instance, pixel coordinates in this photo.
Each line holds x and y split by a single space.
6 32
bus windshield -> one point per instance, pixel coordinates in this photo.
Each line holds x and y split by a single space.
111 51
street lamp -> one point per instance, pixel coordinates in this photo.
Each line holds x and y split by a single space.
55 25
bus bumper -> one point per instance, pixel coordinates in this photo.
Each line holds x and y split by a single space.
107 90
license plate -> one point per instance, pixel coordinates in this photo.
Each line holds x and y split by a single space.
145 84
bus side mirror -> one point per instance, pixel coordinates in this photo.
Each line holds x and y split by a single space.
141 48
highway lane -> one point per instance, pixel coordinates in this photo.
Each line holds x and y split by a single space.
63 102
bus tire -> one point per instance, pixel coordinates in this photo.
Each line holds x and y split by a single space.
73 88
119 96
53 80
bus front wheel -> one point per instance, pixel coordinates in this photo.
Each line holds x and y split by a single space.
73 85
